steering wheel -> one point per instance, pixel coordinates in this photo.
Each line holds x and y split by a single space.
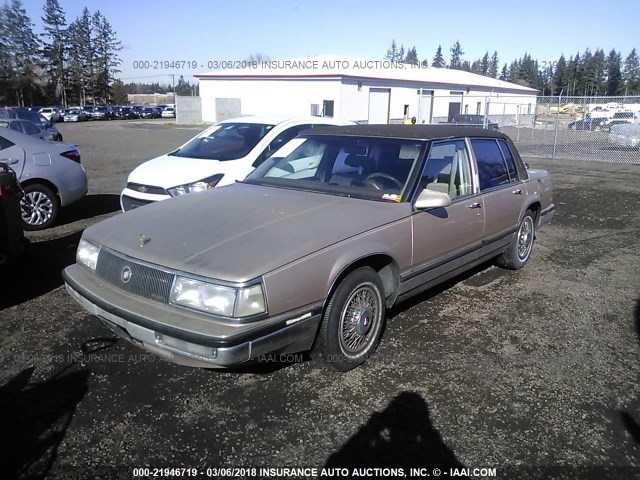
384 180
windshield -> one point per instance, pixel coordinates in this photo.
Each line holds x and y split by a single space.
370 168
228 141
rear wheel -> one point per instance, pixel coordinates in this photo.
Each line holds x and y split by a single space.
519 251
352 323
40 207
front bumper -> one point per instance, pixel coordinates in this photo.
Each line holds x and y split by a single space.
130 199
185 337
624 140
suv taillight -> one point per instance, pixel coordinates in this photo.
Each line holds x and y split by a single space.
72 155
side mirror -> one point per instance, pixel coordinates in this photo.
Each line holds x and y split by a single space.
432 199
526 165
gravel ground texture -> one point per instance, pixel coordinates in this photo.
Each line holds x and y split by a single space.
533 373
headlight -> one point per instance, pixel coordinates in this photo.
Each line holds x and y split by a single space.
199 186
217 299
87 254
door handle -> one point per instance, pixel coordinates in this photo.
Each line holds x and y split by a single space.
474 205
517 192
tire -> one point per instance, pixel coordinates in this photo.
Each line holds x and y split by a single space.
40 207
516 256
352 323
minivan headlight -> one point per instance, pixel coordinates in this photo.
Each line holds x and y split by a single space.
217 299
199 186
87 254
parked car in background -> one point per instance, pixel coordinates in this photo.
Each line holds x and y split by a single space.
467 120
309 251
626 135
101 112
148 112
169 112
28 128
124 113
222 154
595 124
50 174
76 115
622 118
34 117
50 113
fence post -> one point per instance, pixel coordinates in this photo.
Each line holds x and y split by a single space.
555 138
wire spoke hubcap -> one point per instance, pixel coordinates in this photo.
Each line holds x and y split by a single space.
525 238
360 319
37 208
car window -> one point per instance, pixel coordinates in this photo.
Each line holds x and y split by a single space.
376 169
30 129
492 169
511 164
230 141
281 139
17 126
4 143
447 169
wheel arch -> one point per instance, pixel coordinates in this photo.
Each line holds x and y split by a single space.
383 264
536 208
41 181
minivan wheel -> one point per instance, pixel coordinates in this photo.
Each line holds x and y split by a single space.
352 323
519 251
40 207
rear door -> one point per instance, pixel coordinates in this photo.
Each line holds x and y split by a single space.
502 191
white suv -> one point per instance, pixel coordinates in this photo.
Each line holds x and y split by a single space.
226 152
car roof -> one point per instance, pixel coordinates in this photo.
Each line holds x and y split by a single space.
22 139
278 119
412 132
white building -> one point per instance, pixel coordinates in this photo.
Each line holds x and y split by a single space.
373 91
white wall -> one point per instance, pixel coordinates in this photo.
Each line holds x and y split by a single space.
351 98
269 97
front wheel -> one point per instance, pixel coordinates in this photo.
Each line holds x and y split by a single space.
40 207
352 323
519 251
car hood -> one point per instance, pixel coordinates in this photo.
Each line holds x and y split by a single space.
239 232
629 129
169 171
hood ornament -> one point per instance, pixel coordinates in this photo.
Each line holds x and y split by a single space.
143 240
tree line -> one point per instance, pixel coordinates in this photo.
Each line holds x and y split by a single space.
69 63
583 74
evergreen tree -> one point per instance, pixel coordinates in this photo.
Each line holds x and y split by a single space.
504 74
119 94
493 66
456 56
631 74
484 64
22 48
81 59
106 48
183 87
560 77
438 59
393 53
412 56
54 48
614 73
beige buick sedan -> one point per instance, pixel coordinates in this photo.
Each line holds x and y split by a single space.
309 251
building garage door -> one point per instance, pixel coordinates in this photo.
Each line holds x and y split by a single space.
379 105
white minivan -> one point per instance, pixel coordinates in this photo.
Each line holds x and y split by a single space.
226 152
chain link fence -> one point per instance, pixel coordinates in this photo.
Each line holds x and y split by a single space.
577 128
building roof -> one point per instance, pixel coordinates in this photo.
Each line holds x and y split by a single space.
331 66
413 132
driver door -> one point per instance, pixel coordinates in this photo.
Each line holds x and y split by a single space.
446 238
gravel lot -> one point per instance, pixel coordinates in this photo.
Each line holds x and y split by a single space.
497 369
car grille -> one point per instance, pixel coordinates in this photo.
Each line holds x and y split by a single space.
129 203
138 187
133 277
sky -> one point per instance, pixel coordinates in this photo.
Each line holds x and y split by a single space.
221 31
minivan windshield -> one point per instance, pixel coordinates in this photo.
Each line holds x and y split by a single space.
227 141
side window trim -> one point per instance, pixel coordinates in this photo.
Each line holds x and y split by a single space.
495 187
503 145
